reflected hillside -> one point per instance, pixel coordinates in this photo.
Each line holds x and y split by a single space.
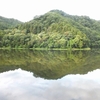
50 64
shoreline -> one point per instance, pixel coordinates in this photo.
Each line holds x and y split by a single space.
45 49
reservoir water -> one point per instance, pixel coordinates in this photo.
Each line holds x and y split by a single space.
49 75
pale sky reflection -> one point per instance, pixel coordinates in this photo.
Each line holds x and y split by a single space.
22 85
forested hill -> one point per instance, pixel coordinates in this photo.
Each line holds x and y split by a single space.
54 29
6 23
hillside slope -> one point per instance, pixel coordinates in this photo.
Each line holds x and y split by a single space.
55 29
6 23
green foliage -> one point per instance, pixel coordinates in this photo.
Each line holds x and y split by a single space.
6 23
54 29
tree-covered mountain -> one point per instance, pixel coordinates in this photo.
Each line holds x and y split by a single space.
6 23
54 29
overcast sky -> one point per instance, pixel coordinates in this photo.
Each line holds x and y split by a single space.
25 10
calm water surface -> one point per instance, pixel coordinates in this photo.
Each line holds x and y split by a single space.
49 75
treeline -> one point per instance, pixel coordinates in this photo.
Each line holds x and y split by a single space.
43 40
54 29
6 23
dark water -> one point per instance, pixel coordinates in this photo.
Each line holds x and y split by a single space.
49 75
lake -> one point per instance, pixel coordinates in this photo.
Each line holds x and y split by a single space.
49 75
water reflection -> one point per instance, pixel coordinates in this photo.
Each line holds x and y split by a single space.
50 64
22 85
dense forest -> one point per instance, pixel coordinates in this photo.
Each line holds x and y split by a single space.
55 29
6 23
